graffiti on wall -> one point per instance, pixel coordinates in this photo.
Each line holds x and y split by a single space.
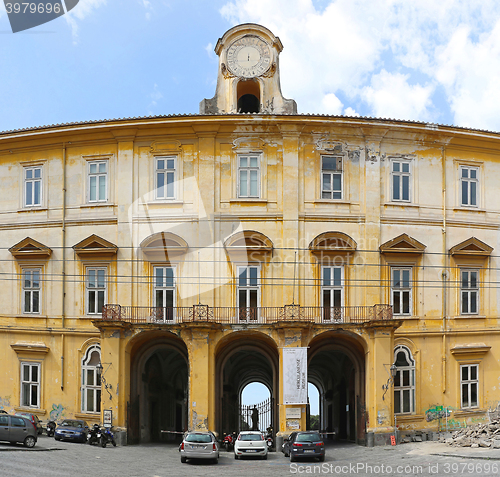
5 402
57 412
437 412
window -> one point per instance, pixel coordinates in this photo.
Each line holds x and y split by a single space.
91 380
332 292
248 292
331 177
248 176
96 290
469 384
31 291
404 381
469 178
30 385
32 186
164 293
98 177
401 181
469 290
401 291
165 178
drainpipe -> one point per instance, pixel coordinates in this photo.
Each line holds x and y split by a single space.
63 303
444 275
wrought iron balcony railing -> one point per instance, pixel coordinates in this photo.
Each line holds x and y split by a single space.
236 315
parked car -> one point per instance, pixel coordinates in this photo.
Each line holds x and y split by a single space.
304 444
17 429
71 430
199 445
250 443
34 419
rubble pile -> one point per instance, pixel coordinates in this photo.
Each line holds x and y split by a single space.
478 435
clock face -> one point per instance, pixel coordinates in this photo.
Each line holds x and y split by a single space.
248 57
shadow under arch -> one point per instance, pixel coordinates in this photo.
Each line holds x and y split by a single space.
336 365
241 358
159 379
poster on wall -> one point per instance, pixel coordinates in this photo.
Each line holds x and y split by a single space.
294 375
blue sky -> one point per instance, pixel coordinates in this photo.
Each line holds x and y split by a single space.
428 61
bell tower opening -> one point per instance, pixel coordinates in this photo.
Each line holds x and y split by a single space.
248 94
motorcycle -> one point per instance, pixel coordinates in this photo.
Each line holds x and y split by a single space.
107 436
50 428
228 442
269 438
94 434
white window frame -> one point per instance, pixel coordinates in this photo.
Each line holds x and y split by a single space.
30 386
31 183
401 290
470 183
91 390
400 388
165 314
330 173
96 289
97 175
252 271
248 170
400 176
164 172
332 284
469 383
31 290
466 293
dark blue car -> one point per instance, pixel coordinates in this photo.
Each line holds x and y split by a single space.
71 430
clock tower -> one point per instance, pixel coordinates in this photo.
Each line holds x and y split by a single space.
248 79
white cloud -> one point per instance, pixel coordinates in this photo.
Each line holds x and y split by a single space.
80 12
210 50
350 112
390 57
391 96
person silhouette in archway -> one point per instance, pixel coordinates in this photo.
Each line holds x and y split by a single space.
255 418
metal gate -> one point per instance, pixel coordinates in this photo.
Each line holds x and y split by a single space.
256 417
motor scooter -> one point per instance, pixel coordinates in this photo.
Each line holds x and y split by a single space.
94 435
50 428
107 436
228 442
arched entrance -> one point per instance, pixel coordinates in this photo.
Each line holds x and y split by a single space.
241 359
336 366
159 388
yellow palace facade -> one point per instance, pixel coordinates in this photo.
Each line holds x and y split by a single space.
156 266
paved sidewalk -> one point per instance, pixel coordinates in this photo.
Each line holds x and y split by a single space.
51 458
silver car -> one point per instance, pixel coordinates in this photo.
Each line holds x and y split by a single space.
199 445
17 429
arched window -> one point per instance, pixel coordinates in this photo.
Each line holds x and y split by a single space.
91 380
404 381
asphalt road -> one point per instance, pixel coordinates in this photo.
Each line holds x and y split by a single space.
51 458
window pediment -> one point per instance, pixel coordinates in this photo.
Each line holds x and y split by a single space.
163 246
332 242
472 246
29 248
248 242
95 246
469 349
403 244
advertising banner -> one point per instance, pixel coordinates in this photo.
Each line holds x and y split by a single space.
294 375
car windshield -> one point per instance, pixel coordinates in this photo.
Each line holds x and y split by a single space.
308 437
251 437
200 438
69 423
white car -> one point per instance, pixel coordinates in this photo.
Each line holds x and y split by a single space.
250 443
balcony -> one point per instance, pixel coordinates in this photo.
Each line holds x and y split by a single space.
255 316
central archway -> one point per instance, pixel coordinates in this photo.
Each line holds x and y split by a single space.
159 388
243 358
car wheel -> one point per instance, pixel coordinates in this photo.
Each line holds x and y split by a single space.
292 458
235 457
216 460
264 457
57 438
183 460
30 441
322 458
